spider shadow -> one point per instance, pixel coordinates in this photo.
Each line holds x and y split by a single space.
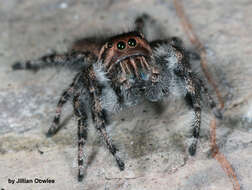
141 130
93 152
61 125
157 107
91 157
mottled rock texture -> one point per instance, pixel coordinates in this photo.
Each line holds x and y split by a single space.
152 141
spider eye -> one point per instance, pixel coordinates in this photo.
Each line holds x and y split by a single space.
110 44
132 42
121 45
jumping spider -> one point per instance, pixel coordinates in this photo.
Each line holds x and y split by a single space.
119 72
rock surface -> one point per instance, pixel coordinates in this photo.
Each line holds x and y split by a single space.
152 143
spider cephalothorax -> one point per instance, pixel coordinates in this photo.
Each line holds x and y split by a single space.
119 72
127 58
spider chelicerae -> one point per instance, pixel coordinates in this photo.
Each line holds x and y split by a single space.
119 72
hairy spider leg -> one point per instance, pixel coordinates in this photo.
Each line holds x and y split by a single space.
82 138
82 134
141 25
140 22
217 112
193 98
63 99
74 60
100 120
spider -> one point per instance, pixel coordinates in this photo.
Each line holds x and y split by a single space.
119 72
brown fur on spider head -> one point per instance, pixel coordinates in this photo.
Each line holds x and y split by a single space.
129 50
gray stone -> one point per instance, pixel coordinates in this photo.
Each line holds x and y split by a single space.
153 144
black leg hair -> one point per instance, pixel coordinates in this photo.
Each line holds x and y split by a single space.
140 23
193 98
178 44
110 146
217 112
100 120
194 87
149 27
82 138
63 99
174 41
74 60
82 134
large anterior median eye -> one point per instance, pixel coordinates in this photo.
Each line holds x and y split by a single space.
132 42
121 45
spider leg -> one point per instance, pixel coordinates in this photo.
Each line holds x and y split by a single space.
149 27
145 24
113 150
178 44
192 97
194 86
82 138
193 89
63 99
73 60
217 112
82 134
140 22
174 41
100 120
